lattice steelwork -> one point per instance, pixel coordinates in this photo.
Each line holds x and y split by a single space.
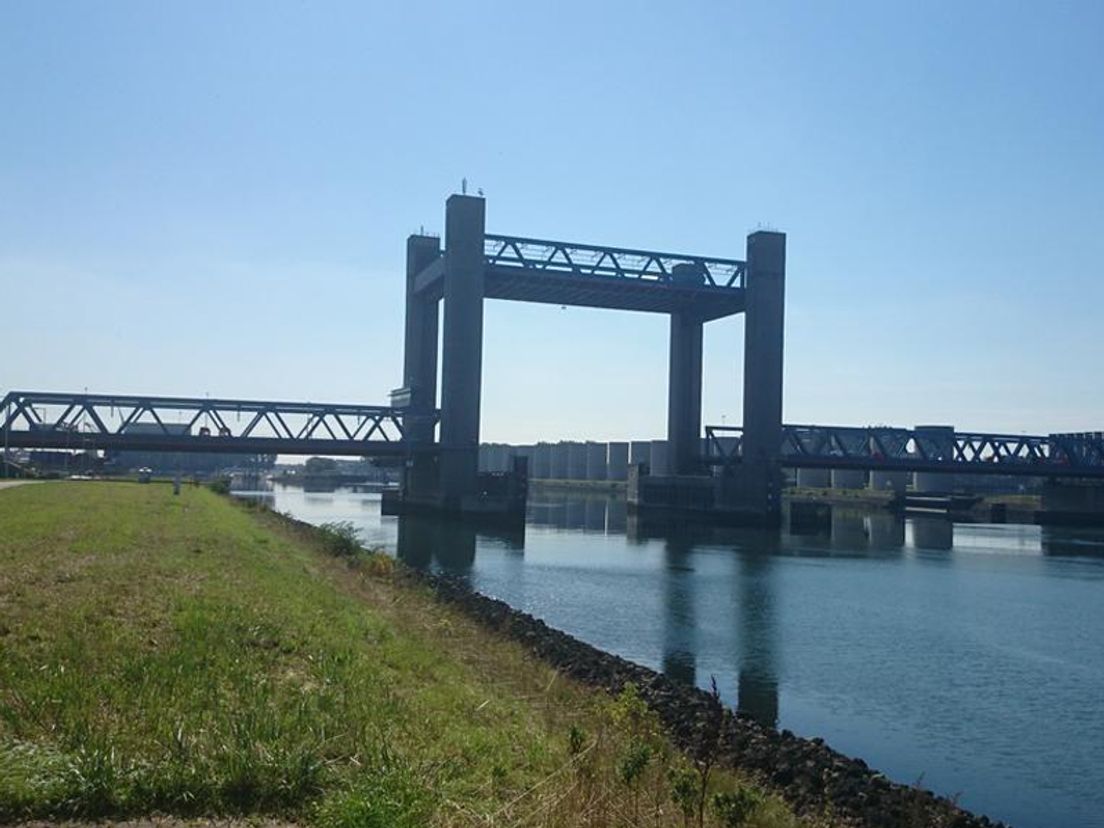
880 447
58 420
612 262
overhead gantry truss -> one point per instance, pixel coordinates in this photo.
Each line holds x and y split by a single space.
887 449
49 420
588 260
568 273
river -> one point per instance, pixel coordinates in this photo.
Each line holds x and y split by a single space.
966 657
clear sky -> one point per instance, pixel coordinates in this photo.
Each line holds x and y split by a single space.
213 197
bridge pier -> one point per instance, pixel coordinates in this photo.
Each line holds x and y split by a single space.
1072 501
937 443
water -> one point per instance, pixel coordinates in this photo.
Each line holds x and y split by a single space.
968 657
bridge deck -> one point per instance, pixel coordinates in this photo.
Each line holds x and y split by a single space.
47 420
878 448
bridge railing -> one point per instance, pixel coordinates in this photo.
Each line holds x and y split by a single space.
612 262
889 448
52 420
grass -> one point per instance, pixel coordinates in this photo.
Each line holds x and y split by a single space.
196 657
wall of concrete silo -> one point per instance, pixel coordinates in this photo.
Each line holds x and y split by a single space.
559 460
814 478
848 479
618 461
659 458
576 461
596 461
640 451
889 481
542 461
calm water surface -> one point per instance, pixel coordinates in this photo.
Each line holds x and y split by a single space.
969 657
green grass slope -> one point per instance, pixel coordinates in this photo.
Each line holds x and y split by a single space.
189 656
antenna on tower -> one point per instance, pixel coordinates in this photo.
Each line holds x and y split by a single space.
463 186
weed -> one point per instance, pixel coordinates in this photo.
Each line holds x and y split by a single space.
734 808
220 485
341 539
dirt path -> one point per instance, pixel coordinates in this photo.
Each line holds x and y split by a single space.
7 484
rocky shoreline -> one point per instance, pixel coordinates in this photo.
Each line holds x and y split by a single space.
811 776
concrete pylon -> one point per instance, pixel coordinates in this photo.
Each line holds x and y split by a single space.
420 363
763 344
684 394
462 360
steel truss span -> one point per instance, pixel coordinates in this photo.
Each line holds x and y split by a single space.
142 423
884 448
612 262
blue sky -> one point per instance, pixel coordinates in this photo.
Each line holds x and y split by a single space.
214 197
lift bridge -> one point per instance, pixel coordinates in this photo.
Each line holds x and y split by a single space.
436 435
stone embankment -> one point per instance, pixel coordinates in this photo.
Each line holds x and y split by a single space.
814 778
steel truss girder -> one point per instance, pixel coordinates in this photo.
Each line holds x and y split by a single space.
884 448
594 261
30 419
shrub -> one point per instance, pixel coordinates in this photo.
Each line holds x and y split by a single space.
734 808
220 485
341 539
379 565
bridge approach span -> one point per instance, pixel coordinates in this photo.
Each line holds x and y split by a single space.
880 448
120 422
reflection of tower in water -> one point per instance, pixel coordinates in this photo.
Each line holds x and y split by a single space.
616 516
932 532
757 684
757 681
848 530
448 546
679 639
427 543
595 514
885 530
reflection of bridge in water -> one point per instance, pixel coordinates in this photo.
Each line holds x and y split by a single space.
752 641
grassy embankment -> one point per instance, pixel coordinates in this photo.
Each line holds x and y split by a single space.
190 656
